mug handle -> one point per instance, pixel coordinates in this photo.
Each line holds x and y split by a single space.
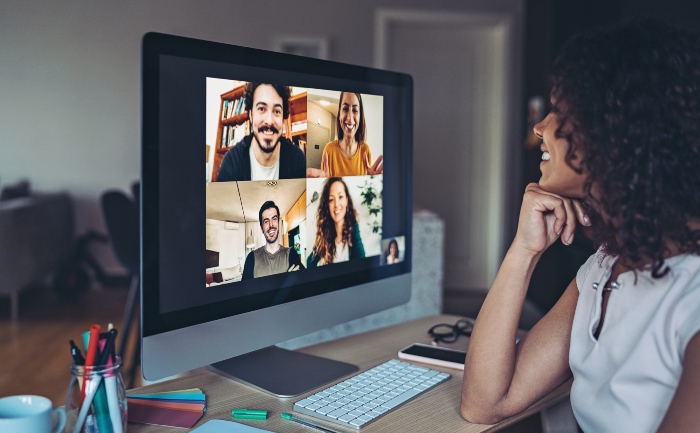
61 419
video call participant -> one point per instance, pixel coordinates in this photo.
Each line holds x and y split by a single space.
392 253
264 154
349 155
337 230
272 258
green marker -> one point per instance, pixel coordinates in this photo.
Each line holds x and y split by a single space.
249 413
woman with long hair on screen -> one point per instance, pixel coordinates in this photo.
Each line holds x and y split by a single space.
350 154
337 230
620 153
391 255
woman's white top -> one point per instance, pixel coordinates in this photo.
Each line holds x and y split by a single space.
624 381
342 253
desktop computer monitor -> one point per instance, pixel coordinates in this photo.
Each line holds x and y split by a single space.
301 220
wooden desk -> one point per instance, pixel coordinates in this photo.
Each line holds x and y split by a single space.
435 411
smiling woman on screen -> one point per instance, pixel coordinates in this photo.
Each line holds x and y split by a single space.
350 154
337 229
620 152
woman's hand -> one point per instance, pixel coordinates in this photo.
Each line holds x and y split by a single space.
323 171
377 167
546 217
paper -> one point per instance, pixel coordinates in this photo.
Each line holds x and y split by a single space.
181 408
162 416
221 426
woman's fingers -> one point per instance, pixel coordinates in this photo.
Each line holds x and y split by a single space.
378 166
567 234
566 211
315 172
581 214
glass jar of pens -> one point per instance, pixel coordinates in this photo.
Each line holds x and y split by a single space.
96 400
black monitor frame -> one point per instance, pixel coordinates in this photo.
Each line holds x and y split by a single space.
156 45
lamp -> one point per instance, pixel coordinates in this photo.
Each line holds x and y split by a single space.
249 241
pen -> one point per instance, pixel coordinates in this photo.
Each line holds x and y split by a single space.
111 384
108 349
306 422
90 354
249 413
75 353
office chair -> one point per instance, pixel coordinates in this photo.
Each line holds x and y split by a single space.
121 215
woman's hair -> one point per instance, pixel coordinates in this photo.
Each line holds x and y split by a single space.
361 128
285 92
387 253
629 103
325 226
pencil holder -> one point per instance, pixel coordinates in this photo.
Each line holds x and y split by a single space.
96 400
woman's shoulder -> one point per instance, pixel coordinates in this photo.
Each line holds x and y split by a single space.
331 146
596 264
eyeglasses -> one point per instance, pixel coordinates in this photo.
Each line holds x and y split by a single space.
450 333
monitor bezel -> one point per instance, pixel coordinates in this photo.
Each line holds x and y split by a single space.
155 322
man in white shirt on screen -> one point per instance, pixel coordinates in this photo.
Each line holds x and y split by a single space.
264 154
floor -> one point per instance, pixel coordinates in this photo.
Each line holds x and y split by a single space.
35 350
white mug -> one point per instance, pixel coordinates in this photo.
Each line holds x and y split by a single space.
29 413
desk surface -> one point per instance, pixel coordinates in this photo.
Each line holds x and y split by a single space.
435 411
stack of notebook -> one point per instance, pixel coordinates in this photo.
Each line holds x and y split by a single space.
174 408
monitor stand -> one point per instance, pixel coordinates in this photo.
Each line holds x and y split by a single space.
281 372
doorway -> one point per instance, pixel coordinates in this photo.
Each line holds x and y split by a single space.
466 99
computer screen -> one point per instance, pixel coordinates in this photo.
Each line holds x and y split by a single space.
298 215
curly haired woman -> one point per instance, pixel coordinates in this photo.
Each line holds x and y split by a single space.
337 231
620 152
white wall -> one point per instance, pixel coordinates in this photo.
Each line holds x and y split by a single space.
318 115
70 75
374 116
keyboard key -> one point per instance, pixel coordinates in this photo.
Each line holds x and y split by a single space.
358 422
305 402
401 398
337 413
347 418
325 410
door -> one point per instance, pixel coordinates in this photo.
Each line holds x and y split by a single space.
460 66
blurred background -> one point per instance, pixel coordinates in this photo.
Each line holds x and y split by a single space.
70 127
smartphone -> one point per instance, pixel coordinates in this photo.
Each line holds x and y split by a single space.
434 355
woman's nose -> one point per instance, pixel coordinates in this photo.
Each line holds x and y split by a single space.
538 128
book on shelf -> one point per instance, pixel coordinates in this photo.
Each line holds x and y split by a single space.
230 135
232 107
299 126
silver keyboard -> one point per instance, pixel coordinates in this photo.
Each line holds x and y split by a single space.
367 396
